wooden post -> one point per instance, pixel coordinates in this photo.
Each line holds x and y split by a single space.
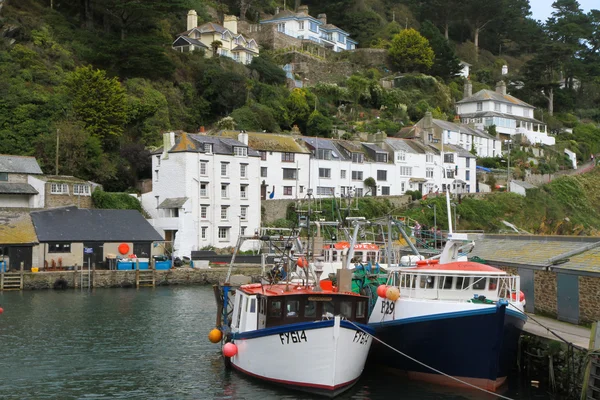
22 267
75 277
2 277
137 273
594 344
92 279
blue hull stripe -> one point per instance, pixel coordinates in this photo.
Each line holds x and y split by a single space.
304 326
457 314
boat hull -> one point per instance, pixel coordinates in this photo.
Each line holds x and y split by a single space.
325 357
478 345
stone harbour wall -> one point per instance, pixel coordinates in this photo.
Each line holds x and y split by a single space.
545 289
589 299
119 279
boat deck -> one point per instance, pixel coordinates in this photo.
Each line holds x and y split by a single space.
576 334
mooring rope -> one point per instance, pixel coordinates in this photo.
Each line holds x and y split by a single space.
430 367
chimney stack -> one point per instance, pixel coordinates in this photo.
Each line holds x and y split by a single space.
230 22
168 143
501 88
428 121
322 18
303 9
468 89
276 10
192 19
243 137
504 69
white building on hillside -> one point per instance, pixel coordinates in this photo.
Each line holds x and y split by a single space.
284 165
302 26
206 191
230 43
432 131
510 115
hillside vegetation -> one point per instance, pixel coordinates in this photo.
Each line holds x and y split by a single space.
102 76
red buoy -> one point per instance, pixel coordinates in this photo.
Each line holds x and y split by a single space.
1 310
381 290
123 248
229 350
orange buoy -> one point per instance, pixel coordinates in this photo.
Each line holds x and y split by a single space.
381 290
123 248
301 262
392 293
215 335
427 262
229 350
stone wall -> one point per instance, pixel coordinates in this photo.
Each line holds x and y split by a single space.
589 299
267 36
63 200
277 209
116 279
545 289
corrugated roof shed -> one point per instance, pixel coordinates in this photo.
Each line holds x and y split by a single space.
71 224
19 165
16 228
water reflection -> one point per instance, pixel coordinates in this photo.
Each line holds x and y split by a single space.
145 344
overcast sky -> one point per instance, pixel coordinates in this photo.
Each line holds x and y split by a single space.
541 9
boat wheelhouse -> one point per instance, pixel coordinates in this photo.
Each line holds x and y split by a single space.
314 340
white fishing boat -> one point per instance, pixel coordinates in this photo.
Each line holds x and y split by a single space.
303 338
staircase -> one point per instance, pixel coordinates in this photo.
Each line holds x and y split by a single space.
11 281
85 280
145 278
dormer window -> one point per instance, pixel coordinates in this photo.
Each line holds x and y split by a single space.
381 157
401 156
208 148
358 158
240 151
4 176
324 154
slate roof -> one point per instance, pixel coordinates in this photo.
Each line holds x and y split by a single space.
71 224
16 228
331 27
17 188
373 147
19 165
572 254
319 143
485 95
174 202
410 146
189 40
451 148
263 141
190 142
288 14
462 128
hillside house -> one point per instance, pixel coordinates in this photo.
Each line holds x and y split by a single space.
284 164
206 191
508 114
232 44
302 25
430 131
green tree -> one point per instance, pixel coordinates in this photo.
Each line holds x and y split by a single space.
358 87
441 12
255 117
446 64
319 125
297 107
411 52
99 102
371 183
268 72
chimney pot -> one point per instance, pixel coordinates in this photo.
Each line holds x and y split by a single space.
322 18
192 19
501 88
303 9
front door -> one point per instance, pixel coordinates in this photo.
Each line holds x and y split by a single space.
18 255
527 287
97 255
568 297
263 192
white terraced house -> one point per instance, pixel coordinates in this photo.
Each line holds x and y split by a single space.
206 191
303 26
510 115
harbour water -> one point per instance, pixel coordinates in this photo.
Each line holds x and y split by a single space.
150 344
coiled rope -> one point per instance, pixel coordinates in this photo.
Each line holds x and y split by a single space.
430 367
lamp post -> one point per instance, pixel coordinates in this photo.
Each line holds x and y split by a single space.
508 147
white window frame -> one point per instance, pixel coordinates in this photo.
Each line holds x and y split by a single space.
325 173
401 156
244 171
203 232
243 192
224 191
244 213
203 168
239 151
204 192
204 212
60 188
223 233
224 212
224 169
81 189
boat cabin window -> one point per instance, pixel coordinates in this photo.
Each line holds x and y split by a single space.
239 311
346 309
361 308
328 309
493 285
314 308
479 283
358 256
335 256
427 282
462 282
445 282
310 309
372 256
275 309
253 305
292 308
